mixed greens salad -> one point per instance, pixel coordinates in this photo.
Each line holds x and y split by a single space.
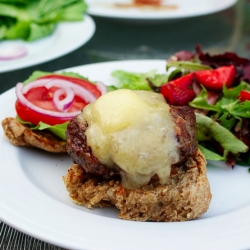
217 87
33 19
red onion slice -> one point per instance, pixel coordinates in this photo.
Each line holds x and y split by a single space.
34 84
48 83
101 87
64 87
30 105
66 102
11 53
79 91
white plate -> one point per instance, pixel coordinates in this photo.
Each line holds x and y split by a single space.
67 37
33 198
182 8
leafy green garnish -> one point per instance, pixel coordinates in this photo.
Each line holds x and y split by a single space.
207 129
32 19
228 122
228 109
58 129
185 65
210 155
200 101
37 74
173 74
137 81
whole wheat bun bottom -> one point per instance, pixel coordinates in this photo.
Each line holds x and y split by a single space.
21 135
186 195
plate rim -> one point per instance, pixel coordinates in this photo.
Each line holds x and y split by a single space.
21 63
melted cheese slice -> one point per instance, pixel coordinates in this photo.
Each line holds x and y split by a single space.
135 131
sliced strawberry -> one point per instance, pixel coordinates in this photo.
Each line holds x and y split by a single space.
184 81
244 95
216 78
176 95
177 91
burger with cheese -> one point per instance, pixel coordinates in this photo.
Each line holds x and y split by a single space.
133 151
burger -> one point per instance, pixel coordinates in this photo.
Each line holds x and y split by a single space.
132 150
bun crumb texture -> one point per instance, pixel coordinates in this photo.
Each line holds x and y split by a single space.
186 196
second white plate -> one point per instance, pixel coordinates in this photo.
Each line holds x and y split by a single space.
172 9
67 37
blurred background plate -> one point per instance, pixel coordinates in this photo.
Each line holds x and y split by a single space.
171 9
67 37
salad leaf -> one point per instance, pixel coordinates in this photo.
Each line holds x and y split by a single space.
207 129
37 74
33 19
19 30
233 93
45 11
242 109
210 155
228 104
186 65
200 101
16 1
37 31
137 81
227 122
173 74
58 129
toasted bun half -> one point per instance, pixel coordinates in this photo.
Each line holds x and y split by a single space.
20 135
186 195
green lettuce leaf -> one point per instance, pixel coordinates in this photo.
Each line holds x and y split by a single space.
8 10
58 129
19 2
207 129
35 19
210 155
187 66
20 30
37 31
228 122
37 74
228 104
137 81
200 102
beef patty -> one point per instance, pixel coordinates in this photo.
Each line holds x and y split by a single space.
81 153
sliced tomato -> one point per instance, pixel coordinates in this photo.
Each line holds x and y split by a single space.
244 95
84 83
43 98
216 78
34 117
